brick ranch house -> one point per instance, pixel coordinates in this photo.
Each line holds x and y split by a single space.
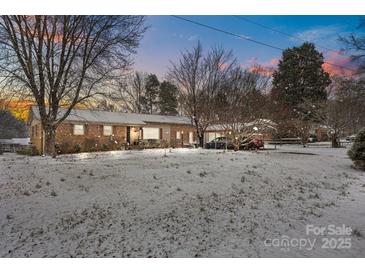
88 130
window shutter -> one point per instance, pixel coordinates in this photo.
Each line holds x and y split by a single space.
161 134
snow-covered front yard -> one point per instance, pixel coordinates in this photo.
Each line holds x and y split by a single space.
192 203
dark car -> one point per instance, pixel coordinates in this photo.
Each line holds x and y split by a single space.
219 143
252 144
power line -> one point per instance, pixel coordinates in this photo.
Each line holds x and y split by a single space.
227 32
253 40
284 33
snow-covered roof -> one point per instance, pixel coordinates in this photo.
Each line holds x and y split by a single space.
260 122
96 116
152 118
216 127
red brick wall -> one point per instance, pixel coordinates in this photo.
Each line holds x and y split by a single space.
36 135
185 136
93 138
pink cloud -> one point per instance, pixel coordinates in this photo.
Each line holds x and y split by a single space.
274 61
336 63
265 71
266 68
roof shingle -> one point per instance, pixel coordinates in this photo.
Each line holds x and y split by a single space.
96 116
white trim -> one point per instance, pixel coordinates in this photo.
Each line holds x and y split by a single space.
191 137
151 133
106 132
77 129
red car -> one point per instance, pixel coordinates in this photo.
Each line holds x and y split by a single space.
252 144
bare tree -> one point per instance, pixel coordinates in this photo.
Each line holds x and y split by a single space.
64 60
343 112
198 79
105 105
129 93
240 108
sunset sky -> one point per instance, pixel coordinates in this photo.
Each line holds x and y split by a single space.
168 36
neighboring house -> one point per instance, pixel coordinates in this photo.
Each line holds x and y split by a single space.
112 130
322 133
264 130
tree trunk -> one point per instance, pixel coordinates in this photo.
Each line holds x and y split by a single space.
201 139
304 135
50 141
335 143
200 133
304 142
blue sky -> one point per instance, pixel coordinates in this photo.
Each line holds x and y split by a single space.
168 36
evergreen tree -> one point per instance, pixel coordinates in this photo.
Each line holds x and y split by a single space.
299 85
151 94
10 127
357 151
168 99
300 76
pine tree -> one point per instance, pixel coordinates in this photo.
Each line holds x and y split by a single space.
300 76
168 99
299 84
151 93
11 127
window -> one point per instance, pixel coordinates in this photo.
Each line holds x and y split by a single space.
78 129
151 133
108 130
191 137
178 135
36 130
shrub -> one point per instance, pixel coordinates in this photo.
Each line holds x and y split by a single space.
104 147
64 147
113 145
30 150
173 144
91 145
77 148
357 151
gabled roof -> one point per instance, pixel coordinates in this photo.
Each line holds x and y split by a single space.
106 117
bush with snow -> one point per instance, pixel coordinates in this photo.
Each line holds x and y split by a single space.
357 151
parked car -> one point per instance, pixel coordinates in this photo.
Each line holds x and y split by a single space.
351 138
252 144
219 143
312 138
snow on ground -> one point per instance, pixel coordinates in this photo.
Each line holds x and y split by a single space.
192 203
